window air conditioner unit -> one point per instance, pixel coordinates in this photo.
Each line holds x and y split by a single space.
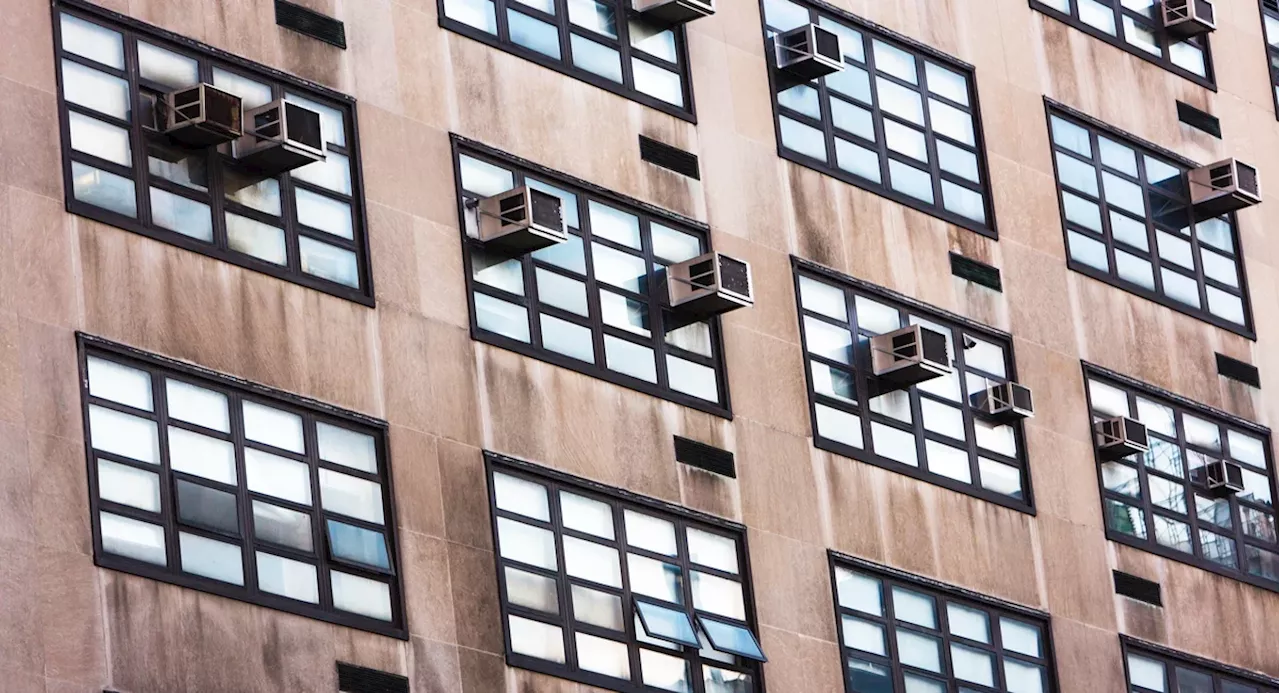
1004 401
200 116
708 285
1187 18
674 11
522 220
908 356
808 52
1120 437
1223 187
280 136
1224 478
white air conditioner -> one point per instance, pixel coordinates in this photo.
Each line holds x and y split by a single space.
1187 18
280 136
808 52
1224 478
522 220
199 116
1223 187
1120 437
708 285
1004 401
672 12
910 355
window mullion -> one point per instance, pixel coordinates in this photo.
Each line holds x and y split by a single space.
137 136
168 501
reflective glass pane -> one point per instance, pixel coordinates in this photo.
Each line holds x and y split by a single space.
597 58
180 214
328 262
533 34
1147 673
1021 677
867 677
197 405
1125 518
664 671
124 536
1020 637
1001 478
562 292
944 82
650 533
1088 251
968 623
603 656
859 592
526 544
102 189
597 608
910 180
501 317
531 591
823 298
948 461
969 664
658 41
863 635
347 448
1171 533
655 578
361 595
919 651
802 138
276 476
272 426
1218 548
717 595
201 506
252 237
482 177
630 359
287 578
900 101
277 525
593 562
100 91
357 544
661 84
123 434
324 213
858 120
667 624
837 425
564 337
951 122
1077 174
251 92
212 559
586 515
166 67
857 160
477 13
119 383
92 41
914 607
692 379
731 638
120 483
802 98
521 496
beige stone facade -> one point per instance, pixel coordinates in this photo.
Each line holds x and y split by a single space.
67 626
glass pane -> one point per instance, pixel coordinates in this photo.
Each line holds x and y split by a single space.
1088 251
586 515
712 550
531 591
900 101
97 90
894 443
252 93
717 595
500 317
910 180
1081 211
1216 511
783 15
1071 136
272 426
1257 489
594 562
914 607
603 656
837 425
657 82
802 98
1118 156
919 651
282 526
526 544
347 495
347 448
894 61
483 178
1098 15
630 359
597 608
560 291
968 623
1000 478
1168 494
131 538
802 138
1125 518
324 213
102 189
180 214
875 317
944 82
725 681
863 635
823 298
1021 677
1076 174
1147 673
664 671
951 122
245 235
650 533
731 638
1187 57
127 485
959 161
476 13
333 173
123 434
1260 562
361 595
1201 433
1225 305
625 313
185 167
827 340
655 578
1121 478
666 624
963 201
973 665
287 578
596 58
833 382
858 121
201 506
1218 548
948 461
858 592
941 418
1164 456
328 262
906 140
858 160
1246 448
277 476
498 271
1020 637
692 379
1132 268
166 67
595 16
119 383
533 34
1123 194
91 41
1128 230
1171 533
866 677
657 41
212 559
358 545
521 496
619 269
567 338
197 405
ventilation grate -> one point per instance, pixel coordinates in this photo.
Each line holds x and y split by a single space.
1199 120
976 272
1238 370
668 157
704 456
311 23
1138 588
354 679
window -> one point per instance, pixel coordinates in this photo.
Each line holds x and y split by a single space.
901 634
1159 501
206 482
591 303
1128 221
598 41
618 592
1154 669
1136 26
1271 30
305 226
901 120
929 431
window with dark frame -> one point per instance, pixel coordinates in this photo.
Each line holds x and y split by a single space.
1153 669
900 120
1128 221
592 303
902 634
1136 27
1271 32
601 42
1159 501
619 592
931 430
203 481
304 226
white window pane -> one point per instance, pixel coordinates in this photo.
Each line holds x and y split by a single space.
919 651
197 405
1139 35
996 438
985 356
952 122
562 292
131 538
564 337
347 495
1098 15
657 41
672 245
661 84
592 562
594 16
945 82
594 57
1088 251
1081 211
252 237
906 140
802 98
961 162
361 596
968 623
1071 136
253 190
1077 174
948 461
536 639
91 41
692 379
287 578
1225 305
119 383
894 61
346 447
664 671
1128 230
1180 287
802 138
894 443
586 515
202 455
100 139
123 434
483 178
1174 249
1124 194
597 608
712 550
521 496
277 428
476 13
1000 478
911 181
251 92
650 533
876 317
839 426
526 544
180 214
852 81
1118 156
863 635
1020 637
498 271
858 160
914 607
603 656
97 90
332 173
823 298
166 67
963 201
1147 673
1246 448
501 317
1187 57
854 119
328 262
1023 678
717 595
851 42
127 485
1219 268
277 476
1107 399
212 559
900 101
619 269
630 359
531 590
783 15
859 592
324 213
655 578
973 665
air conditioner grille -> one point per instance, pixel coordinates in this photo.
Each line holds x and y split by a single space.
511 209
668 157
1199 119
1247 178
703 456
828 44
1138 588
1021 397
222 108
735 276
304 125
1204 10
935 346
546 209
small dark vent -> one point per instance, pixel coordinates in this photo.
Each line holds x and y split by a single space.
976 272
704 456
1199 120
311 23
1238 370
1138 588
669 157
354 679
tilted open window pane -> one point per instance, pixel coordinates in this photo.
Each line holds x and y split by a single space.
1159 670
638 583
195 508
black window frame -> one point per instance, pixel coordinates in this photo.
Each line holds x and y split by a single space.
1171 658
1146 149
1209 81
565 65
215 167
939 591
237 390
1133 389
921 52
862 375
619 501
1271 8
658 316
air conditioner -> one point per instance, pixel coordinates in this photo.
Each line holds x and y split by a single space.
908 356
1187 18
1224 478
1120 437
199 116
674 11
708 285
1004 401
522 220
808 52
280 136
1223 187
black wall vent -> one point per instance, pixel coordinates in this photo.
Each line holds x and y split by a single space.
704 456
1199 120
1238 370
1138 588
311 23
354 679
976 272
666 156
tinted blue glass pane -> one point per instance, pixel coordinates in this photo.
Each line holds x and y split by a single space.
357 544
667 624
731 638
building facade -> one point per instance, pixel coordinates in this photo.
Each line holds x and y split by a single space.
274 417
